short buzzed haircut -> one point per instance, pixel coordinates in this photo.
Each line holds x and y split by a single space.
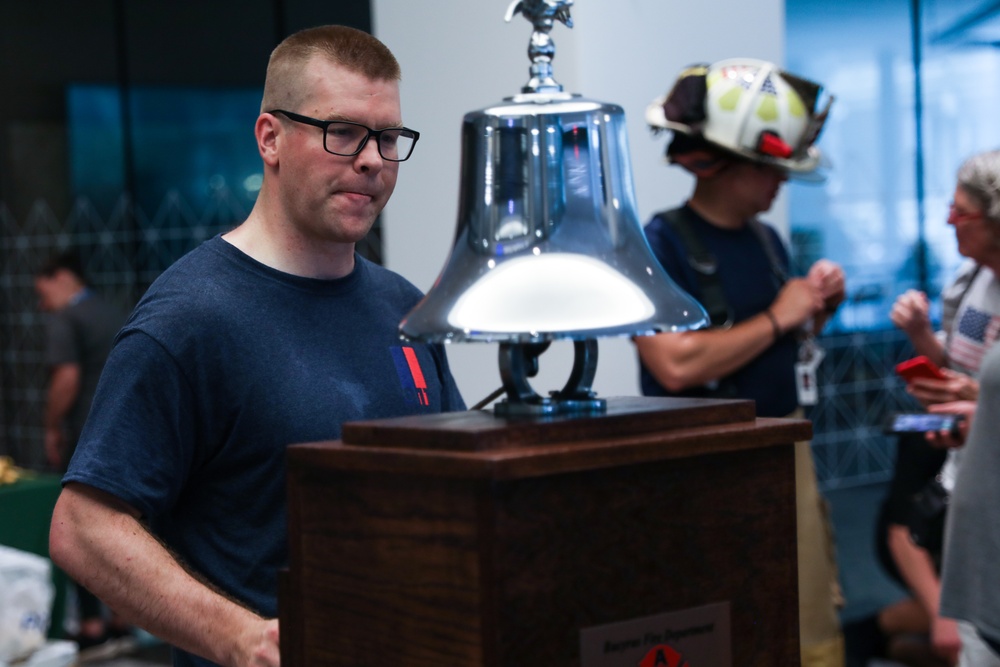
350 48
67 260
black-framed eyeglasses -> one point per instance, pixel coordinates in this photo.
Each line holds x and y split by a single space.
342 137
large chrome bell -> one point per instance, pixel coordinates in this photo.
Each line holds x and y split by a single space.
548 244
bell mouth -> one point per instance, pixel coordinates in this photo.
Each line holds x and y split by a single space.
553 294
540 296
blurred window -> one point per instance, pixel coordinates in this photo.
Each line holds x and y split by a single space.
916 94
883 209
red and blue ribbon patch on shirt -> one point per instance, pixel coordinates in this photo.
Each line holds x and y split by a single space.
411 376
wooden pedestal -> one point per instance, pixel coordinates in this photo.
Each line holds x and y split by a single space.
464 540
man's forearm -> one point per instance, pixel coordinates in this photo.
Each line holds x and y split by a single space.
691 359
916 568
64 387
100 543
929 345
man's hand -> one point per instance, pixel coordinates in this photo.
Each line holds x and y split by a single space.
911 312
945 640
263 645
946 439
798 302
956 387
828 278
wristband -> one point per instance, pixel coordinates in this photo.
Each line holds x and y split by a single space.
774 325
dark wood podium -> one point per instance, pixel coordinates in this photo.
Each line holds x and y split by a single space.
464 539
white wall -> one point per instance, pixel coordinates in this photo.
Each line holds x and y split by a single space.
460 55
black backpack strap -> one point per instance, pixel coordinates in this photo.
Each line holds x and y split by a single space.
767 241
705 266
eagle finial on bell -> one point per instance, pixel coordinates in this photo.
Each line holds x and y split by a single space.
541 49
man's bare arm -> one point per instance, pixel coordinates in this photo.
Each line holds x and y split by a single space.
694 358
691 359
64 387
917 569
101 543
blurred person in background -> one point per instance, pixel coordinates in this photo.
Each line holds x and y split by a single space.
741 127
970 328
80 327
970 575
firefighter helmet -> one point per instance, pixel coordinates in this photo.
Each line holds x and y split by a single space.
749 108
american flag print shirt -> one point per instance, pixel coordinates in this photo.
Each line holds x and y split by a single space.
976 325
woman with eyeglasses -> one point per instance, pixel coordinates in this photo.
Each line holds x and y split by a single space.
970 326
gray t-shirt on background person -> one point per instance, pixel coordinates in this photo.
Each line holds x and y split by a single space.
971 570
82 333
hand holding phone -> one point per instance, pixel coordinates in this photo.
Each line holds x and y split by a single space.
922 422
919 367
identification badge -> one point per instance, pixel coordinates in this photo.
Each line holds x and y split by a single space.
810 356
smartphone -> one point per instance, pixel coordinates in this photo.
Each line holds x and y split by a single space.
921 422
919 367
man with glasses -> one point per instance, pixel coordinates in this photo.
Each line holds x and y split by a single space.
277 332
342 137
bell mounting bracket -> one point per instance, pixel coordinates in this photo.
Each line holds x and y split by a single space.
519 361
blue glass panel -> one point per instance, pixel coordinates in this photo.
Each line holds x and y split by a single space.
870 215
882 211
864 215
96 144
195 142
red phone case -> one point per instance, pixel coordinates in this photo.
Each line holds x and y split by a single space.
919 367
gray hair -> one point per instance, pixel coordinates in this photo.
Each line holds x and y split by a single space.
979 177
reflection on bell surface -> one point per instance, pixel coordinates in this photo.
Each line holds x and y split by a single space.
548 244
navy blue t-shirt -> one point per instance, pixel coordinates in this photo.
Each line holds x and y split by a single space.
222 365
749 284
